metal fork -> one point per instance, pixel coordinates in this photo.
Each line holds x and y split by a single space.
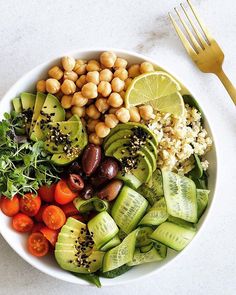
202 47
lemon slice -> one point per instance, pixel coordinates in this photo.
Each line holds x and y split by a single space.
150 86
173 104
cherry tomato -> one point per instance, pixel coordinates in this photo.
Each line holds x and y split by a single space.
63 194
37 244
50 234
54 217
22 223
39 215
37 227
47 193
30 204
10 207
69 209
78 217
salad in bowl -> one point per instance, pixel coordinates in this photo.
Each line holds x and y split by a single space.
103 167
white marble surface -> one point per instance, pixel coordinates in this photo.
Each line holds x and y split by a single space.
35 31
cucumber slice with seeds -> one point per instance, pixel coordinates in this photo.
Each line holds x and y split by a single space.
180 196
94 203
173 235
111 244
143 236
145 249
202 201
128 209
141 258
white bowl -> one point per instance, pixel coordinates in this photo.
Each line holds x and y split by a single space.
47 264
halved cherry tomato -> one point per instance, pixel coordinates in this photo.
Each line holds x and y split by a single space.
39 215
10 207
50 234
30 204
37 244
63 194
78 217
37 227
69 209
54 217
22 223
47 193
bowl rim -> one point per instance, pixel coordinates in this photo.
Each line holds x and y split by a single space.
96 50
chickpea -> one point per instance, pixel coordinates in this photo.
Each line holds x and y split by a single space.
120 63
121 73
102 105
70 76
108 59
93 77
66 101
91 125
134 114
41 86
127 83
80 67
80 111
134 71
122 94
68 63
93 65
106 75
113 110
146 112
102 130
115 100
55 72
68 115
117 84
89 90
78 100
93 112
123 115
68 87
93 138
52 85
146 67
104 88
111 120
81 81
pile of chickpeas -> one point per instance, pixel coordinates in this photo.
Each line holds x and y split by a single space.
95 91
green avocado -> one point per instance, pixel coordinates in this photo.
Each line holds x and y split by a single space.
51 111
16 102
27 101
40 99
120 134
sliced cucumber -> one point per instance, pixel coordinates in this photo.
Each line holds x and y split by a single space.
129 179
111 244
122 234
181 222
145 249
173 235
180 196
202 201
156 215
121 254
143 236
141 258
128 209
161 249
94 203
103 228
115 272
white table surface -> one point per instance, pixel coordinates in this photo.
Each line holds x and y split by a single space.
35 31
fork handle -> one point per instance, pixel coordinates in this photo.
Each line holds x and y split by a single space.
227 84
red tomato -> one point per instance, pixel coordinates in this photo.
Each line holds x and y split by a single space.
69 209
47 193
22 223
37 244
63 194
39 215
54 217
37 227
30 204
78 217
50 234
10 207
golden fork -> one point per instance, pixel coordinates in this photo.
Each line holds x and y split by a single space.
202 48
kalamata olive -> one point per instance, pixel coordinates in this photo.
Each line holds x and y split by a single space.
111 190
91 159
108 168
87 192
75 182
97 180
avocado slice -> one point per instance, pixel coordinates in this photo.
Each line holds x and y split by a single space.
52 111
75 242
16 102
27 101
129 179
40 99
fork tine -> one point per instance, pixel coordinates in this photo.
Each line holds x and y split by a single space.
192 38
199 36
203 27
182 37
